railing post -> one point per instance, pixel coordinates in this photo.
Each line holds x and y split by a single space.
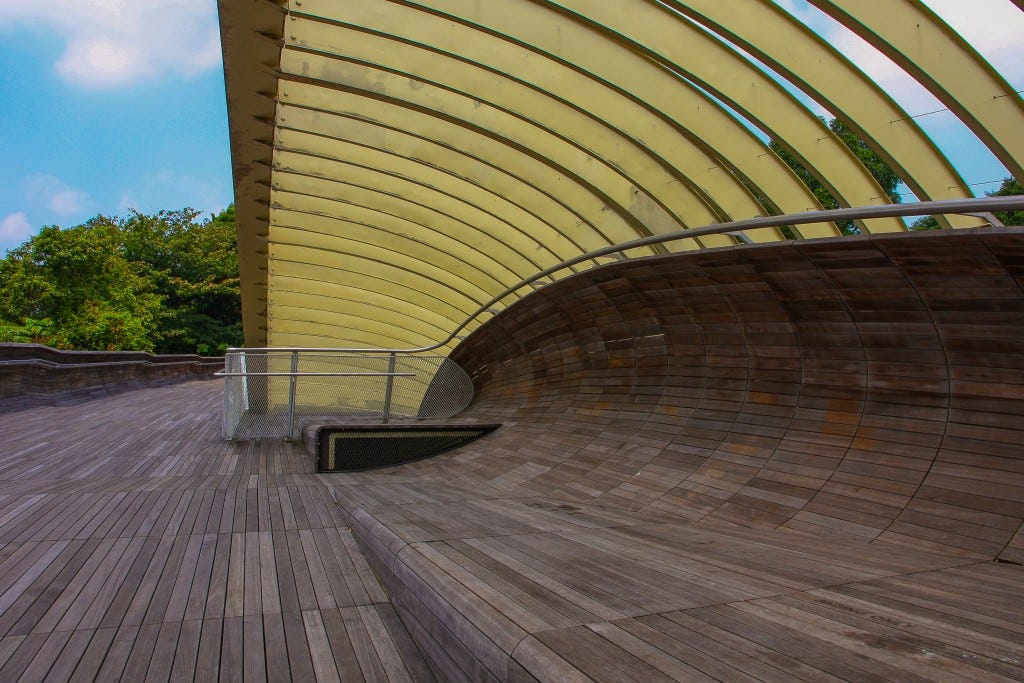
388 387
291 395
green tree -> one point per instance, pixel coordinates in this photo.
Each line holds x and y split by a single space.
75 289
925 223
194 267
162 282
881 171
1010 187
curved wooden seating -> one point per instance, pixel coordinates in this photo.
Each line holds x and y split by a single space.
768 461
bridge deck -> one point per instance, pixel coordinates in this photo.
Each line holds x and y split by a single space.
795 462
136 544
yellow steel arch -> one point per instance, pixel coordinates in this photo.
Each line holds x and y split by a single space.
612 163
742 85
809 62
338 233
452 206
700 57
420 321
386 264
346 200
466 154
315 279
353 162
653 112
926 47
331 114
520 197
399 162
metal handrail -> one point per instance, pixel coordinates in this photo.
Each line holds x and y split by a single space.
222 373
396 383
971 206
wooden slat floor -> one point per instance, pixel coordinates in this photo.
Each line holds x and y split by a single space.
504 585
136 544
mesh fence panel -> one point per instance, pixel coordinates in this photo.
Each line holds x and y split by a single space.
271 393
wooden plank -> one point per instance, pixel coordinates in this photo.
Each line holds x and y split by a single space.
87 666
209 655
138 659
186 654
110 581
232 661
321 581
299 657
139 605
234 591
276 647
390 657
159 602
252 603
412 658
319 647
40 667
162 660
341 646
38 598
254 665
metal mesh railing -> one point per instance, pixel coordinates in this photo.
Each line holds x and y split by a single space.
269 393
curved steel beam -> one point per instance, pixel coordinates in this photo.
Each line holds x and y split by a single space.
652 110
439 142
960 206
805 59
700 57
567 138
927 48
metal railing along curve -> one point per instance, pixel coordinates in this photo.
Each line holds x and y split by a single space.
276 409
270 392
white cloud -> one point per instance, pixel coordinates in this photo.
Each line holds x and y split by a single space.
992 27
911 95
59 197
15 228
113 43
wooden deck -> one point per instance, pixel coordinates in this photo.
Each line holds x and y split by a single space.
136 544
792 463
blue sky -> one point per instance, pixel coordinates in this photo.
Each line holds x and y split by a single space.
102 115
110 105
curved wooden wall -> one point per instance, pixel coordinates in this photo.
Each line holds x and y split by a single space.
870 388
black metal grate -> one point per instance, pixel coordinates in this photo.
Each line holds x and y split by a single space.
350 449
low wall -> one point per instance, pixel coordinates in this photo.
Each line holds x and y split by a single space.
32 374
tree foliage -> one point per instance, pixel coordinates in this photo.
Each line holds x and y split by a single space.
165 283
1010 186
881 171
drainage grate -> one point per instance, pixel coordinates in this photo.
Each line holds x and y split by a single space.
350 449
